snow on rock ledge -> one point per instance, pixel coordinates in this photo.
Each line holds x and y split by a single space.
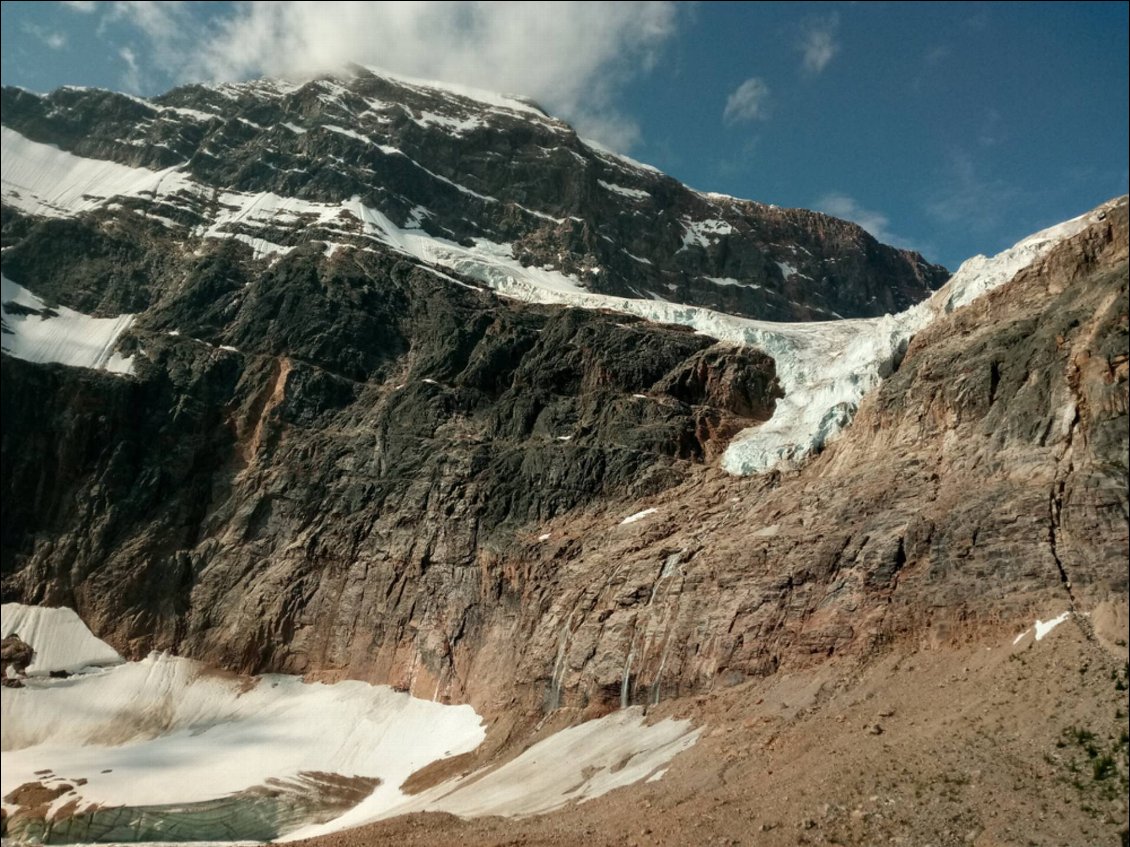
37 333
60 639
824 368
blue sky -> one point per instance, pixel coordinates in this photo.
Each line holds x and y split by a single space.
954 129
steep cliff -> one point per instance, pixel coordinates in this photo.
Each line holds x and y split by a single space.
338 461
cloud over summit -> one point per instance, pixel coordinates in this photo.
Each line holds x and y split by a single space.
572 57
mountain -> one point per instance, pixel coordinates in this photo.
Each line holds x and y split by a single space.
379 380
376 161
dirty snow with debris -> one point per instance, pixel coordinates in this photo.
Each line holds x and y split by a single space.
167 730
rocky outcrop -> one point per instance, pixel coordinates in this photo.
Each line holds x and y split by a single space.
983 483
15 656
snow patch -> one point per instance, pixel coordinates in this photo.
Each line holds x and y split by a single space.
61 641
618 159
416 217
260 247
631 193
454 126
184 112
1043 628
575 765
36 333
509 103
636 258
348 133
703 233
638 516
40 179
727 280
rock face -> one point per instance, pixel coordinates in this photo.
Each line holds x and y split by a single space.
16 655
334 458
401 437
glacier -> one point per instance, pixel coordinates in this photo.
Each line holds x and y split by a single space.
824 368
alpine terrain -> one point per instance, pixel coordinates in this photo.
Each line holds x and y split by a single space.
384 463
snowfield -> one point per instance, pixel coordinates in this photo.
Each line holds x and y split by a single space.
152 738
166 730
575 764
40 179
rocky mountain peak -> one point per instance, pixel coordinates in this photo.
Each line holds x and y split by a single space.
473 169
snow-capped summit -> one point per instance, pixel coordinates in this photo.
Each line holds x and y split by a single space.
362 158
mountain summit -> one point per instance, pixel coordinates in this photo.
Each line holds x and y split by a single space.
482 184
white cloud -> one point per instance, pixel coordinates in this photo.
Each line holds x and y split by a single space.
992 130
54 40
165 31
86 6
163 21
818 44
572 57
936 55
748 102
876 223
131 77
